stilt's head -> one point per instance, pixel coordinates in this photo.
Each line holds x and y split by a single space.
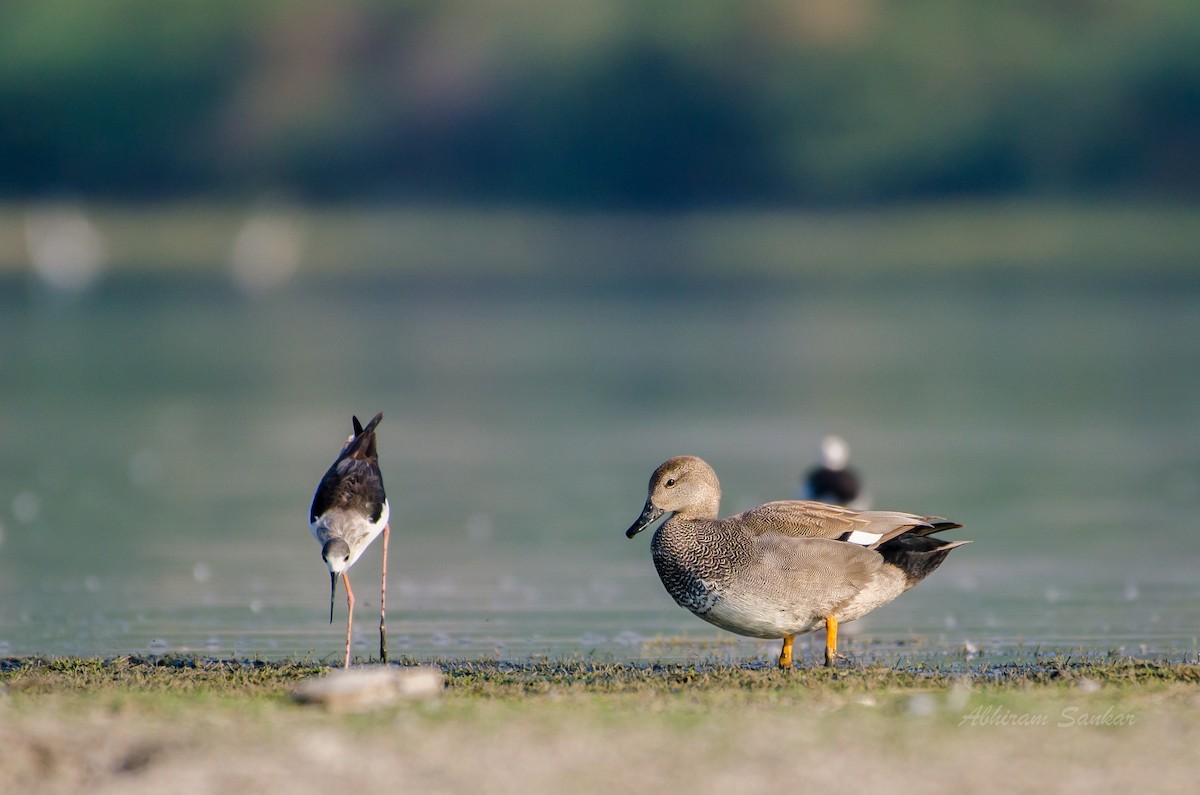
336 554
683 485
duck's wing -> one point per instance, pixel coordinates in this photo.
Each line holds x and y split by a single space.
822 574
806 519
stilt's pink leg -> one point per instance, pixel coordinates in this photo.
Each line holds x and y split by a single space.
383 599
349 614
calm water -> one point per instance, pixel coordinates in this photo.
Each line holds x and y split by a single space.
161 440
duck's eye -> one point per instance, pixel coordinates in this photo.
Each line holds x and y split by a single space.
670 482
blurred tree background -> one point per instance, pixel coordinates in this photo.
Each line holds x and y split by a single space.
601 103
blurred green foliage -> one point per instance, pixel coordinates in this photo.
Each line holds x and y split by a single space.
601 103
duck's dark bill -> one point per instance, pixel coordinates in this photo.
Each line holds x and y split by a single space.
650 515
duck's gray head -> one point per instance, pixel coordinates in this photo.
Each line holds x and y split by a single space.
686 486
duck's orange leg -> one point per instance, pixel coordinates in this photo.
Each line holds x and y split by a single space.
831 625
785 654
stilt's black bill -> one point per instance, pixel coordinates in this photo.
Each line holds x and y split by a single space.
332 591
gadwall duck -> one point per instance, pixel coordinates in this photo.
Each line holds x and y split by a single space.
783 568
349 510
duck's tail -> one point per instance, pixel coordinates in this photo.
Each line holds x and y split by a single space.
916 554
933 524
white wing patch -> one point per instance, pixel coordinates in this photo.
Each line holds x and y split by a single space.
863 538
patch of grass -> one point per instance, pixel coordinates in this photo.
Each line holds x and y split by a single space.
70 725
500 679
153 674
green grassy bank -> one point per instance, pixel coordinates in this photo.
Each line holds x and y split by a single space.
135 725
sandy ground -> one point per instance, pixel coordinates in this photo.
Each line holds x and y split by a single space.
557 745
